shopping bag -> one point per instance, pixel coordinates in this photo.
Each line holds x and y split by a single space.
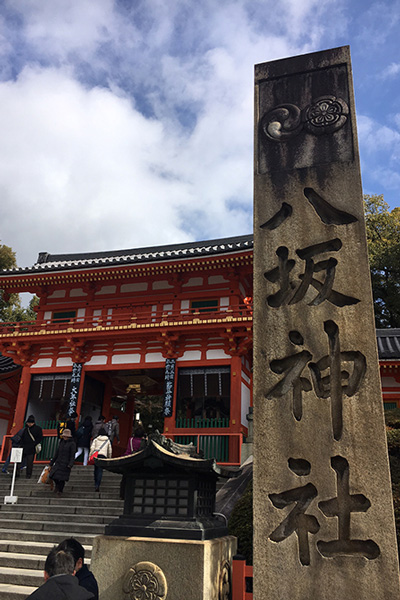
44 476
92 457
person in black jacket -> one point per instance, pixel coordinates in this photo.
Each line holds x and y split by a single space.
83 436
63 461
85 577
60 582
30 438
15 443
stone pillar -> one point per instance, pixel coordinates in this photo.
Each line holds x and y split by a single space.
323 513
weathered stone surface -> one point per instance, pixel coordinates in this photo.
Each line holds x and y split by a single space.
323 512
185 569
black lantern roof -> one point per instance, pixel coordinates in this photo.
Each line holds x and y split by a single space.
178 456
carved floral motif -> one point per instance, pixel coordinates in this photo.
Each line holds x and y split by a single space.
145 581
225 582
324 115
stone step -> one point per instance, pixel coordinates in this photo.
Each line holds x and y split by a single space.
50 526
91 503
86 483
59 517
17 576
65 509
40 548
70 495
22 561
15 592
39 520
50 537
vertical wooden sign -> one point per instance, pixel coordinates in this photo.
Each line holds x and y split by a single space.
74 390
323 515
169 382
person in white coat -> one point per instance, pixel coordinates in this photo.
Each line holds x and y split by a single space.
100 444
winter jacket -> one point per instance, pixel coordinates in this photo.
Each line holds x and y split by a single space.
97 443
134 444
83 440
62 587
112 429
63 460
27 443
96 428
88 581
71 425
17 439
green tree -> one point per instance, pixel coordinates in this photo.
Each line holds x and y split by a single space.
10 306
383 236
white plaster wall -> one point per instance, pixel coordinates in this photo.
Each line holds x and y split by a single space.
390 382
77 292
224 301
106 289
134 287
154 357
245 404
193 281
190 355
43 362
64 361
245 377
213 279
161 285
217 353
120 359
97 360
58 294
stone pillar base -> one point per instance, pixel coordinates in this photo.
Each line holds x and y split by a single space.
172 569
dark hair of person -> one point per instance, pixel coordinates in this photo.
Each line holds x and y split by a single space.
138 432
116 417
59 562
74 415
102 418
74 547
102 431
88 419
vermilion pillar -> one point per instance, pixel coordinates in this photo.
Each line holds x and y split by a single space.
22 400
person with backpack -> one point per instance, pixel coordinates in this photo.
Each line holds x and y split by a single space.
83 436
113 429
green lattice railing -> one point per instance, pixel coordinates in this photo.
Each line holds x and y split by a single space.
199 423
213 446
51 424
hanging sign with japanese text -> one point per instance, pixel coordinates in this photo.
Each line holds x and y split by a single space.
323 513
169 381
74 390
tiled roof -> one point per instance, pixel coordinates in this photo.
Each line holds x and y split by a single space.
58 262
7 365
388 343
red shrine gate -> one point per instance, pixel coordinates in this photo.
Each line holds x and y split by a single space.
109 326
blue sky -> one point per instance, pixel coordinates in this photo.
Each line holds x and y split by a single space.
127 123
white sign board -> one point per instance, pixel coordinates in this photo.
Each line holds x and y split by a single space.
16 455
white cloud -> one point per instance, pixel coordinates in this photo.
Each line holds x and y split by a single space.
128 124
391 70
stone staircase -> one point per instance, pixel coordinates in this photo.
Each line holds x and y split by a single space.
39 520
